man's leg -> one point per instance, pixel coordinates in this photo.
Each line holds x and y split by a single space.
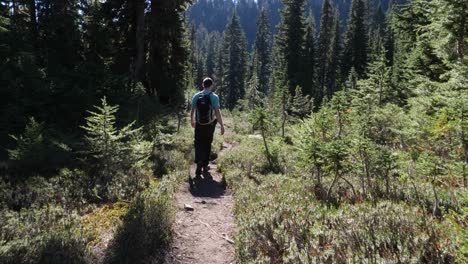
209 133
202 136
198 142
210 137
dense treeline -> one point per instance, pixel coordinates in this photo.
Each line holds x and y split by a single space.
366 160
58 58
299 50
86 90
213 15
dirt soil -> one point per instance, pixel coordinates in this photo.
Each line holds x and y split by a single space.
204 226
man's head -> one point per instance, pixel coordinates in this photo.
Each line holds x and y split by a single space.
207 83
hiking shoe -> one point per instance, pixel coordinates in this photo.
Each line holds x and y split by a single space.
198 171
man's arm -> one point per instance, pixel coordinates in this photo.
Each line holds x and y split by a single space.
192 117
220 119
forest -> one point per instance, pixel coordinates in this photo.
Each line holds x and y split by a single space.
347 122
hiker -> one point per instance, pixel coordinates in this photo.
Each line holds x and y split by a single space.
204 116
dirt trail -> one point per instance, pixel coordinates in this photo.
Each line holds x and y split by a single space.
204 235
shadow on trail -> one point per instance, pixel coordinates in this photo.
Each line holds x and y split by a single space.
207 186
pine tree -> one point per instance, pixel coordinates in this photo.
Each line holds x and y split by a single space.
98 54
310 60
234 63
62 48
301 104
167 50
113 150
289 46
254 96
377 88
451 15
324 56
220 61
62 53
193 56
213 40
262 52
356 40
377 33
333 81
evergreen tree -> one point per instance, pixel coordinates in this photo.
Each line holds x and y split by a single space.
114 151
213 42
220 60
254 96
289 47
234 63
455 23
99 46
262 52
356 40
247 10
167 50
301 104
377 88
310 60
376 33
62 48
333 81
389 37
324 56
193 56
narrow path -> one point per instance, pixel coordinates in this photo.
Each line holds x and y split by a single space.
204 235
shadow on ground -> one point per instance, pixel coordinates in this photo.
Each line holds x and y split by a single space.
206 186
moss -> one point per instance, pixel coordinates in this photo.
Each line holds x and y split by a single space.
101 222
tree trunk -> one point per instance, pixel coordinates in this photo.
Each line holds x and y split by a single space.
337 175
266 149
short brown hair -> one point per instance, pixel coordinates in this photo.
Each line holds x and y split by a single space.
207 82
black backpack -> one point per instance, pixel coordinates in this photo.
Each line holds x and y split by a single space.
204 112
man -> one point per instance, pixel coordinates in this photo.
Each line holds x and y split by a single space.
204 103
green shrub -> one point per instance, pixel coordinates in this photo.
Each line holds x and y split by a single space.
281 222
37 151
42 235
146 229
70 189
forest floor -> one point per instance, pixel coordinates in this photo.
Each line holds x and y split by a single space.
204 226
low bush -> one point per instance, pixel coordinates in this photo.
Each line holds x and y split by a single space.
37 151
41 235
145 232
280 221
70 189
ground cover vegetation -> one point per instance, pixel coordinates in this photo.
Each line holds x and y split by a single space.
351 119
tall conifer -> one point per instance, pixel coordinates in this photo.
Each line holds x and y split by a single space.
356 39
168 50
262 51
289 46
234 68
324 56
335 52
310 60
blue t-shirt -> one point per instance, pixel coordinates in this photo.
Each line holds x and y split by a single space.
214 99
